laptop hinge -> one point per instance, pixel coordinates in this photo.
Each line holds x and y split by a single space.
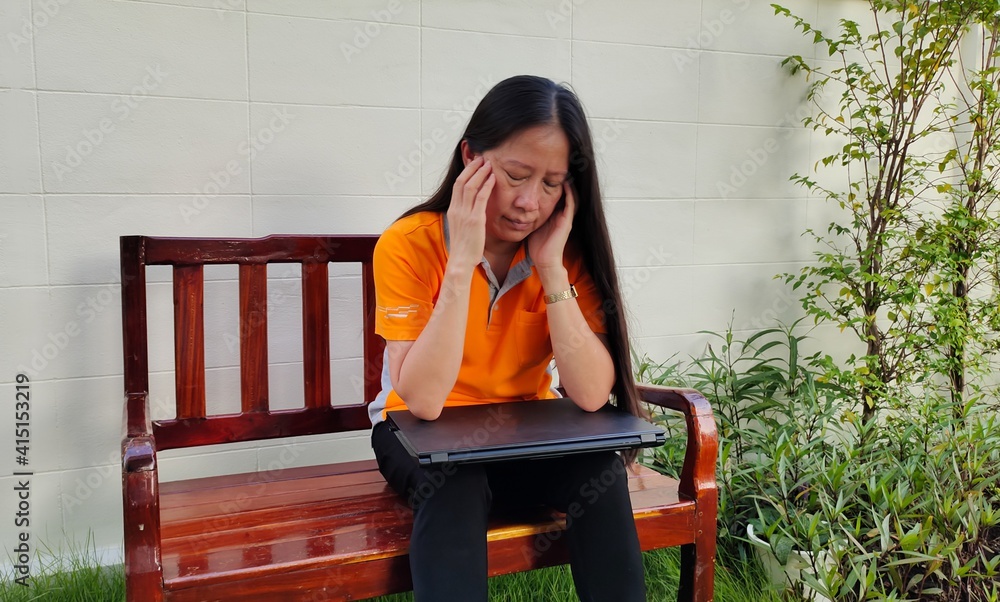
439 458
647 437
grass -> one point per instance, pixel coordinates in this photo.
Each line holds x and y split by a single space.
75 577
84 581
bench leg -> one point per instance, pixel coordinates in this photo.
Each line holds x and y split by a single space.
697 572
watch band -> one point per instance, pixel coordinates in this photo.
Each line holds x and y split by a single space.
570 293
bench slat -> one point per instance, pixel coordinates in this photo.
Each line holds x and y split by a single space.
253 337
316 334
249 478
268 249
374 344
186 499
189 340
171 434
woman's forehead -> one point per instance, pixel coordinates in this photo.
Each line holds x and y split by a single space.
543 147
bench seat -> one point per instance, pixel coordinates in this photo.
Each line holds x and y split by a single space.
342 524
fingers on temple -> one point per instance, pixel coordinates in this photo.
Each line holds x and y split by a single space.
471 179
484 192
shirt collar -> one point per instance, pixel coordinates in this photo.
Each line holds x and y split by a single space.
447 244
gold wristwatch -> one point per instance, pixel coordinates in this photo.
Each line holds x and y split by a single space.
556 297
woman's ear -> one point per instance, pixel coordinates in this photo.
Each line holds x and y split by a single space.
467 154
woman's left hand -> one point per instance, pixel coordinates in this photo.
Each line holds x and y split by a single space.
546 244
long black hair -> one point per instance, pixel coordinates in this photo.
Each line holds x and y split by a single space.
526 101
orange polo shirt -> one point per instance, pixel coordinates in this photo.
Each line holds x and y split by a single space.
507 345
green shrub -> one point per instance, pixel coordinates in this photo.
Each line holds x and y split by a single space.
903 506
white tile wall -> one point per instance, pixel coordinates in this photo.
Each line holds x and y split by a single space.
174 467
23 258
62 332
237 118
440 134
92 505
19 167
330 150
651 232
285 381
649 22
659 300
326 214
216 5
646 159
403 12
329 64
749 231
768 96
160 329
122 144
749 288
544 18
623 82
222 389
324 449
750 162
102 46
736 26
459 67
25 330
88 411
17 32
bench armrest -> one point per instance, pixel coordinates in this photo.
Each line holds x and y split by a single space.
698 473
138 455
141 501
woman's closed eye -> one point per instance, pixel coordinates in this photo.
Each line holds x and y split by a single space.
520 178
516 178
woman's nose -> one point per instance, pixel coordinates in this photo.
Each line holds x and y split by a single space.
527 199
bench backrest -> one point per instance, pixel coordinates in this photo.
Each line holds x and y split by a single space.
256 420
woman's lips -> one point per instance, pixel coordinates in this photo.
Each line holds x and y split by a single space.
517 225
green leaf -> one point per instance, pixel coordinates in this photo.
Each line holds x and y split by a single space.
782 548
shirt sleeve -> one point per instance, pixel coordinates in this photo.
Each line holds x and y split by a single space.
588 297
403 301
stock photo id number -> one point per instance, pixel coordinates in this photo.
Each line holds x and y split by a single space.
22 480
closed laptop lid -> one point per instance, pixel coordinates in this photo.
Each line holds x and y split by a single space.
520 429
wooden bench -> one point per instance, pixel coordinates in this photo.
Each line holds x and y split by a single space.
333 532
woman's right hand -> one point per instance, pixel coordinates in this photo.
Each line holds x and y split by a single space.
467 212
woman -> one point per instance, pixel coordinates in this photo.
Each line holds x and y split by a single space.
508 264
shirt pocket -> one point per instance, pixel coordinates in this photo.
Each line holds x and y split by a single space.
531 336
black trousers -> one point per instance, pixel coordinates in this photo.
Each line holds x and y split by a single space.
451 504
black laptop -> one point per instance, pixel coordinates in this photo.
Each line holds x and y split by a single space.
519 430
